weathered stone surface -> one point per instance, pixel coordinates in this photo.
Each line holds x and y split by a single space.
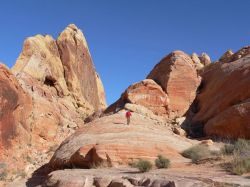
179 131
223 103
229 56
145 93
40 59
54 89
178 78
197 63
15 109
79 70
226 57
105 141
65 65
185 176
144 112
205 59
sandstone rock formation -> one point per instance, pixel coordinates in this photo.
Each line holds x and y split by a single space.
197 63
109 141
145 93
186 176
226 57
205 59
16 106
64 64
223 103
169 89
229 56
53 89
178 78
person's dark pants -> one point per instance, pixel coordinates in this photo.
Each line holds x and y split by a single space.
128 120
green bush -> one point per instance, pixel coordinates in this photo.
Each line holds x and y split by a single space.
197 153
162 162
143 165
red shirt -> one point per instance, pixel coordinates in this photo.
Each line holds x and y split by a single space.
128 114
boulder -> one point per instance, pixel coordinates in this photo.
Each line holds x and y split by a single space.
145 93
222 105
178 78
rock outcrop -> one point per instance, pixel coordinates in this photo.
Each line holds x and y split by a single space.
222 106
179 79
205 59
64 64
53 89
229 56
146 93
169 89
16 106
109 141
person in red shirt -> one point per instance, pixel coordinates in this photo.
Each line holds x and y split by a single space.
128 115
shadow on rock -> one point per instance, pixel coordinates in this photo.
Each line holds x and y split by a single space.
39 176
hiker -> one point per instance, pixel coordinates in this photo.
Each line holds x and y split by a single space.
128 115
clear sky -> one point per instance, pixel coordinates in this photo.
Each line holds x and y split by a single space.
128 37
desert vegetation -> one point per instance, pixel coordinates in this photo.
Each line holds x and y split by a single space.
239 151
162 162
142 165
198 153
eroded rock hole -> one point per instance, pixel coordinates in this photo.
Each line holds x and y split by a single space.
49 81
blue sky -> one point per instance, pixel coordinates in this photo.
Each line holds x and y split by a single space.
128 37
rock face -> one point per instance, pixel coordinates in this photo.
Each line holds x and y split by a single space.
222 106
53 89
169 89
226 57
105 142
16 108
205 59
64 64
229 56
197 63
178 78
145 93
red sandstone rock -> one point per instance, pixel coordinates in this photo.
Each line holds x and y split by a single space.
56 87
145 93
178 78
110 141
16 106
223 103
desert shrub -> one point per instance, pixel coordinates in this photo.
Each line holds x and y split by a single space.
227 149
240 166
240 147
240 151
142 165
162 162
197 153
3 175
